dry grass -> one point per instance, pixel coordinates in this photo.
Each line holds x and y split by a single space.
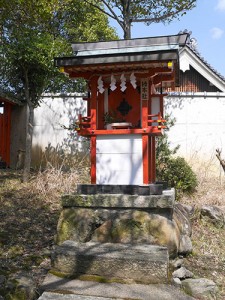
208 258
28 218
29 215
51 183
211 183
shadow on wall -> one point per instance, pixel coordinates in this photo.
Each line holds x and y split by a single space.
59 157
54 143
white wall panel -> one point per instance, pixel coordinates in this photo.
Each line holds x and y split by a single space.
119 159
200 125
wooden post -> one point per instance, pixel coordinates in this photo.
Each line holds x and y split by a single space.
144 121
93 110
152 160
145 157
93 159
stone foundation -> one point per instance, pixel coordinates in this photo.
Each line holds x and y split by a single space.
123 219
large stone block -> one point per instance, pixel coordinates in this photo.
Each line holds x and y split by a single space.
164 201
139 263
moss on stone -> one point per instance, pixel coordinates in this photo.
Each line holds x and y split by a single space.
15 251
76 200
59 274
100 279
73 224
17 295
126 230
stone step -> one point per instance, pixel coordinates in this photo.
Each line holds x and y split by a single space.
57 296
55 288
125 262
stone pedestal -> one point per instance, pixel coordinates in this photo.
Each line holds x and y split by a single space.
121 222
118 218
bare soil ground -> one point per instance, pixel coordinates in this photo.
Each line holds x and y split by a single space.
29 214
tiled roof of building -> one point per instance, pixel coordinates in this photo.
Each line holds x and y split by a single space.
9 98
192 45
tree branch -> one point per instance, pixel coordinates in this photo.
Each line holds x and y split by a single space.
112 14
222 161
99 8
165 16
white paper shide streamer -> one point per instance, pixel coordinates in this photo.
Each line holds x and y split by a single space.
113 83
133 80
123 83
100 85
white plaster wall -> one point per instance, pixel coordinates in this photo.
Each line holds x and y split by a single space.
55 112
119 159
200 124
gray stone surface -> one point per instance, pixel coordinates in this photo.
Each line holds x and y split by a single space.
166 200
144 189
201 288
109 290
214 214
122 223
182 219
185 246
177 263
55 296
182 273
176 282
142 263
24 282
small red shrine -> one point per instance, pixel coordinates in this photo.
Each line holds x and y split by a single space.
124 109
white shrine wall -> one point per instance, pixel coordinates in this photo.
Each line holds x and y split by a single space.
119 159
199 127
52 116
51 120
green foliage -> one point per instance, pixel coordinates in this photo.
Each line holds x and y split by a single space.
33 33
179 175
175 170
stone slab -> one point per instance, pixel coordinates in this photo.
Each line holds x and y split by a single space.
90 290
166 200
140 263
145 189
57 296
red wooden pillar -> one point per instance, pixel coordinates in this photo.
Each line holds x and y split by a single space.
145 157
152 161
93 111
145 137
145 143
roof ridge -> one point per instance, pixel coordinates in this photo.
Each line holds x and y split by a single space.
192 46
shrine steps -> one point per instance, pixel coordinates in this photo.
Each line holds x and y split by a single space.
56 288
141 263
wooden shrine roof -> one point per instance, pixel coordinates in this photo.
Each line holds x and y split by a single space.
9 98
153 53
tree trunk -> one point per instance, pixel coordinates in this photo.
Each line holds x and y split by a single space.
29 128
127 20
127 31
29 135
